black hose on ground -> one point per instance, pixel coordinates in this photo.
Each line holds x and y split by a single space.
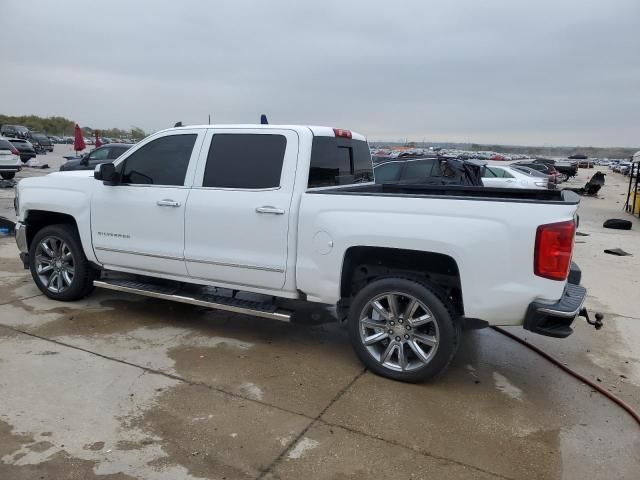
618 401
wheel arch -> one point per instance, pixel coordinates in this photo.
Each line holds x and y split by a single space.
363 264
36 220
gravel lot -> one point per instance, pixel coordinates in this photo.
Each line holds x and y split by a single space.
121 387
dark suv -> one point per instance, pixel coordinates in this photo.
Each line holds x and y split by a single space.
14 131
105 154
40 142
24 148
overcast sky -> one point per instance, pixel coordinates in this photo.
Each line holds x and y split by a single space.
544 72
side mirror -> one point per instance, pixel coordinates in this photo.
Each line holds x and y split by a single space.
107 173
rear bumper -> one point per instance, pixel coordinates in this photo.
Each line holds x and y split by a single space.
554 320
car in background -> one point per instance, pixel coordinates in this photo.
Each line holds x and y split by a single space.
429 171
541 166
10 162
40 142
499 176
586 163
567 168
89 161
14 131
623 167
25 148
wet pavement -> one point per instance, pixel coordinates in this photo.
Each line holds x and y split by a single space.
120 387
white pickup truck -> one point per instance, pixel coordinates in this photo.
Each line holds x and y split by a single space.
256 218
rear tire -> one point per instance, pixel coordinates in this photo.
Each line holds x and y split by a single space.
58 264
8 175
402 329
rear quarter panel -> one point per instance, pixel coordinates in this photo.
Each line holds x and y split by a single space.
492 243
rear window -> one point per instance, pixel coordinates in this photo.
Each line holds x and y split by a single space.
17 140
339 161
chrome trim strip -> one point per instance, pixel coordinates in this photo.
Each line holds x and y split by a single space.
236 265
131 252
277 315
21 237
193 260
557 313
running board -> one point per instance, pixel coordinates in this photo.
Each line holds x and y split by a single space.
204 299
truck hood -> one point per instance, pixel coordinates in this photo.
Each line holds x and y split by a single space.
74 180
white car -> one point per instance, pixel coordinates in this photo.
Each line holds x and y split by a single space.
10 162
268 214
510 177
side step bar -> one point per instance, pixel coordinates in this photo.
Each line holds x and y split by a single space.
209 300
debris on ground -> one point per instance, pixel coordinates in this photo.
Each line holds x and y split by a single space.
7 183
617 223
617 251
34 163
592 187
7 227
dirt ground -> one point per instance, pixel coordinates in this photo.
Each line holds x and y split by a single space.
121 387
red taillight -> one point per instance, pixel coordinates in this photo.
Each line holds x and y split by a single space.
15 152
339 132
554 245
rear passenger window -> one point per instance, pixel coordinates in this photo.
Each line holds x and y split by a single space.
244 160
339 161
160 162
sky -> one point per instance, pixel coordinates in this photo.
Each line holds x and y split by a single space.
544 72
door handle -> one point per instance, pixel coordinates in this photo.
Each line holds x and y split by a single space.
167 203
270 209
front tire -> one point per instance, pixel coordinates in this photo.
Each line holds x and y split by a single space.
402 329
58 264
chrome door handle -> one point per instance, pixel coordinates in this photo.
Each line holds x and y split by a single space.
270 209
167 203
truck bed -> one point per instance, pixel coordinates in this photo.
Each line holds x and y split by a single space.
456 192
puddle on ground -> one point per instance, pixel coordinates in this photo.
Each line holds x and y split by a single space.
96 410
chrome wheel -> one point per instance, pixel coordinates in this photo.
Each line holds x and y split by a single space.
55 265
399 331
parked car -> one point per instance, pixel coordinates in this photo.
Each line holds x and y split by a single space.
547 169
14 131
567 168
24 147
10 162
511 177
40 142
430 170
623 167
89 161
586 163
271 214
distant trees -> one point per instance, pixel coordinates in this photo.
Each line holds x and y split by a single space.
64 126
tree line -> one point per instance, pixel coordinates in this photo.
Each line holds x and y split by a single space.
61 126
